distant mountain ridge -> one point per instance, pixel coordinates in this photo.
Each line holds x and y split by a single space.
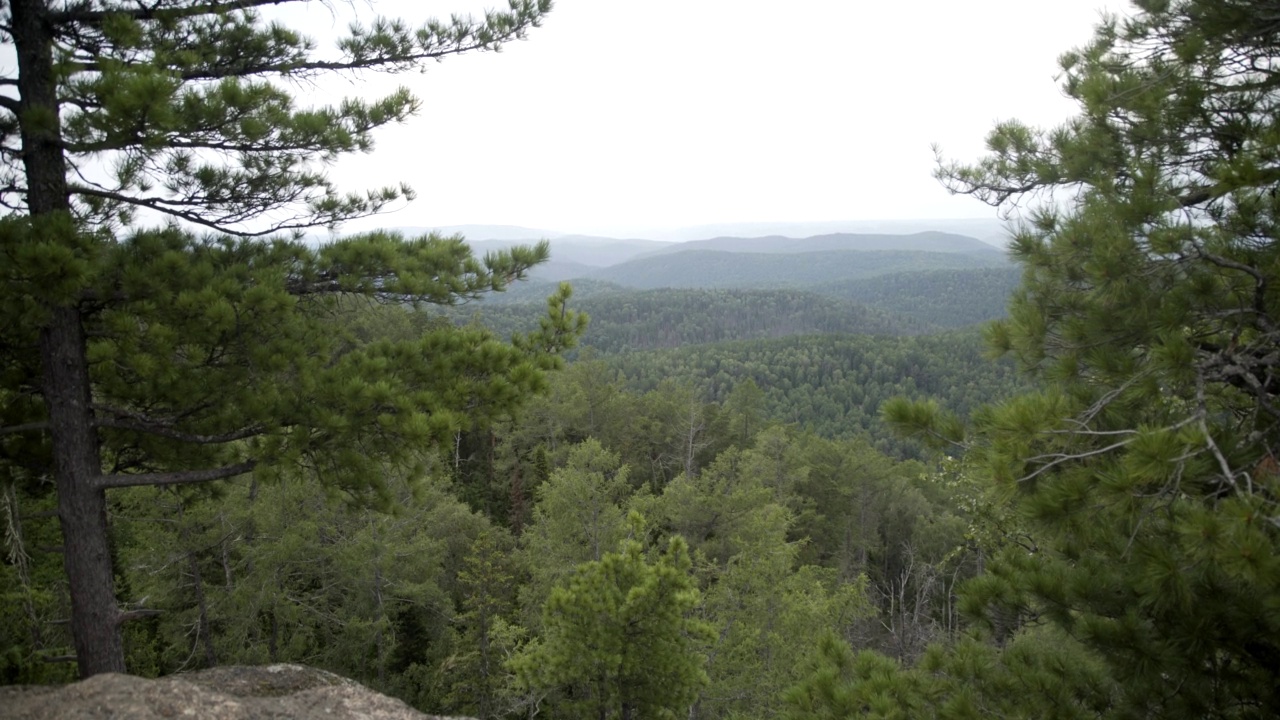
990 230
929 241
581 249
720 269
572 255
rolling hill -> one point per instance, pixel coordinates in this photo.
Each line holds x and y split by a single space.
720 269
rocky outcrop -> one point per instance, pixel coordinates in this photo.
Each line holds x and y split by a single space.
273 692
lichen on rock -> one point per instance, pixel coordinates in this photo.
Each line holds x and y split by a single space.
272 692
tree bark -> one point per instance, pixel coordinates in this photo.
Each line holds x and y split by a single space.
82 509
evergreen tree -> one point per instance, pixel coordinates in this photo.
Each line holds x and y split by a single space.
1040 675
618 640
579 518
156 358
1144 471
489 586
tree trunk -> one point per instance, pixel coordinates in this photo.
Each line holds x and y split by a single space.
206 636
273 641
82 508
516 512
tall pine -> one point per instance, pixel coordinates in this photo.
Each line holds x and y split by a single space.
135 356
1144 471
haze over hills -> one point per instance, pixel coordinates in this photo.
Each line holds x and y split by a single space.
738 261
931 241
582 249
646 294
719 269
989 230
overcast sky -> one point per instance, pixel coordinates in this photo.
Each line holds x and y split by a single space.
619 116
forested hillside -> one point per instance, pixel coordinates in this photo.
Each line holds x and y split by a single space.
719 269
796 482
908 303
834 385
623 321
775 527
926 242
942 298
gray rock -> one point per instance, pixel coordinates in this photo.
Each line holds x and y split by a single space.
273 692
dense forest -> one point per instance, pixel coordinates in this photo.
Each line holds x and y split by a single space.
654 319
900 303
779 525
805 478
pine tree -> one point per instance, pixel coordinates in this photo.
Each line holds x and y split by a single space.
1144 470
579 518
489 586
152 357
618 639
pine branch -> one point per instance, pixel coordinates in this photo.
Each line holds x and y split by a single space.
302 149
465 36
174 208
81 16
184 477
328 66
166 431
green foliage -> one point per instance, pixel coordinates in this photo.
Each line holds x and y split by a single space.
214 353
481 685
764 605
1039 674
834 385
179 104
29 599
224 341
578 518
934 298
268 573
671 318
1141 526
147 356
619 641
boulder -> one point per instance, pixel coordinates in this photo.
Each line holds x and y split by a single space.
272 692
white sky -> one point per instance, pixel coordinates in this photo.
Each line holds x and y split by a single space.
618 116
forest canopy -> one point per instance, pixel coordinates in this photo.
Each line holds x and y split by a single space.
753 501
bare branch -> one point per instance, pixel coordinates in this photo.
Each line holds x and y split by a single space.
1056 459
1228 474
138 614
41 426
